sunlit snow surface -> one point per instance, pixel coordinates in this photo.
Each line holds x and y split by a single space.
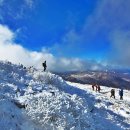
113 114
53 104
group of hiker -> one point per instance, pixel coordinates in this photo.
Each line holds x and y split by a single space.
97 88
120 93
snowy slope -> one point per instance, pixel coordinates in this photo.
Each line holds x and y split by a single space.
113 114
34 100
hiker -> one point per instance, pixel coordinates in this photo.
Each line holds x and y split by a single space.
44 65
121 94
112 93
93 87
98 88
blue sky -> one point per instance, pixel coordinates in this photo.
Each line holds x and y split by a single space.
83 29
48 22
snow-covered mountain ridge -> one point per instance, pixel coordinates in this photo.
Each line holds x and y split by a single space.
34 100
110 78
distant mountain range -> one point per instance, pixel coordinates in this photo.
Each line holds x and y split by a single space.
111 78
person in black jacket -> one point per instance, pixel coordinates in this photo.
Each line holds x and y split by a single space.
44 65
112 93
121 94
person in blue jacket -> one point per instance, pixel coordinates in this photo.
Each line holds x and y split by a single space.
121 94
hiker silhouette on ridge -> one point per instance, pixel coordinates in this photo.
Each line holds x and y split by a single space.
44 65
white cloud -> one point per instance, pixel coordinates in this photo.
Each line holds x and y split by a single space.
16 53
120 53
5 34
111 19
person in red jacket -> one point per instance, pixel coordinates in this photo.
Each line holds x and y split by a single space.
93 87
99 88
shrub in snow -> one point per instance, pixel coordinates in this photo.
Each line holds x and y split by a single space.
59 111
48 107
49 78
